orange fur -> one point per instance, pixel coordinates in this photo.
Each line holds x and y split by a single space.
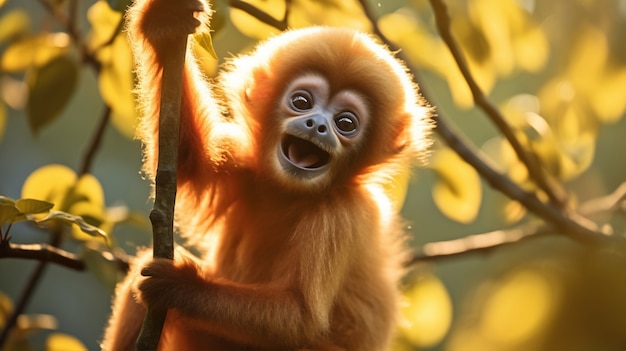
290 263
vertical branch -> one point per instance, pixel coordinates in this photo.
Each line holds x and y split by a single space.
555 193
162 214
96 141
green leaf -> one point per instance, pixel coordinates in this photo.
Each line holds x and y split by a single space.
32 206
50 89
72 219
8 213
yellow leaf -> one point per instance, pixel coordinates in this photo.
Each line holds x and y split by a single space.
512 211
577 137
9 213
587 59
608 100
531 50
34 51
427 312
207 61
406 30
518 308
63 342
80 197
457 191
86 199
32 206
116 85
86 189
49 183
14 23
204 40
104 21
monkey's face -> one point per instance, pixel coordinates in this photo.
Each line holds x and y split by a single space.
321 131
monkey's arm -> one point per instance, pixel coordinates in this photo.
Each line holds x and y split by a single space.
272 314
206 139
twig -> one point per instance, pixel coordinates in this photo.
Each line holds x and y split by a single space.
52 254
162 215
96 141
42 253
572 224
486 242
74 33
614 202
260 15
477 243
29 289
556 195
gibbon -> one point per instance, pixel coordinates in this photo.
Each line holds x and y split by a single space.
281 168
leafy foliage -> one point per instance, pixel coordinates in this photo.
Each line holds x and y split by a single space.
555 70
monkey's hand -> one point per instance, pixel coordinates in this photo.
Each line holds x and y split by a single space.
167 284
164 21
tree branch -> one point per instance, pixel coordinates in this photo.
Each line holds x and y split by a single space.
556 195
96 141
477 243
614 202
260 15
571 223
74 33
162 214
29 289
486 242
42 253
52 254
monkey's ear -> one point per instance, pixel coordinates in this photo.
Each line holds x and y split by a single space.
415 137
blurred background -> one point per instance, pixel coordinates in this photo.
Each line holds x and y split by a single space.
556 70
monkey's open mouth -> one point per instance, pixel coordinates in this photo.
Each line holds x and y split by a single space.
303 154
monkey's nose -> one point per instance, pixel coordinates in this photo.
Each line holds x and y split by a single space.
318 123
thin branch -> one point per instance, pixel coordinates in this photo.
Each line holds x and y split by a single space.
477 243
612 203
556 195
486 242
42 253
29 290
162 214
259 14
74 33
572 224
96 141
52 254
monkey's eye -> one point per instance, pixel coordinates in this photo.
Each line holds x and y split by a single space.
347 123
301 101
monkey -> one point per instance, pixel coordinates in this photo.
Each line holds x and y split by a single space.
282 164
